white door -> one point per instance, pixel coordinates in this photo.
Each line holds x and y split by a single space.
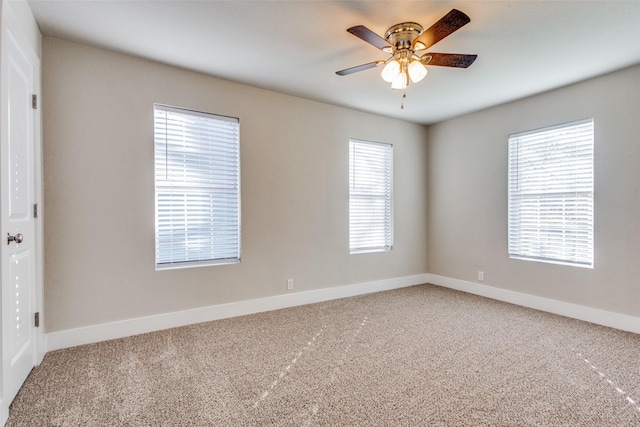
17 177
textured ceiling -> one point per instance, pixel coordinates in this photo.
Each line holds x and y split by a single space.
295 47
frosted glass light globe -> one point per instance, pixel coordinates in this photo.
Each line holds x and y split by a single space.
417 71
391 71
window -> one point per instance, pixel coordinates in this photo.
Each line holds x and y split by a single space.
197 181
370 196
551 194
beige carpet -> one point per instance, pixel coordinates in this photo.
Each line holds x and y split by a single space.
419 356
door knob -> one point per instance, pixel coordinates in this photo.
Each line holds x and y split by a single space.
18 238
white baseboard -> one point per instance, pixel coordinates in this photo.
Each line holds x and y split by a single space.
600 317
91 334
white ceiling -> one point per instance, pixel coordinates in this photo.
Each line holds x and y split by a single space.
295 47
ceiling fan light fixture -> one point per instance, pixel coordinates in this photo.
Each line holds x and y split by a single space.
417 71
401 82
391 71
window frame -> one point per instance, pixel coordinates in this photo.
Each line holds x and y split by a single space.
387 197
565 208
204 189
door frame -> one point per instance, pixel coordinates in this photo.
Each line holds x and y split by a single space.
24 29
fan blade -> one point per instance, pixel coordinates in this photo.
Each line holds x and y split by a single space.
359 68
449 23
370 37
457 60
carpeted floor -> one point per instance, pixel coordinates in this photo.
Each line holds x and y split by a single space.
418 356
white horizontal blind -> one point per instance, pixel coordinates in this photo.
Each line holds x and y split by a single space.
551 194
370 196
197 181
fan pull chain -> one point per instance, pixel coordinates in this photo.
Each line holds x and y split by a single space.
404 95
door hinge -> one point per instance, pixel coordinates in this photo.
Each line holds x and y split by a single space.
34 102
35 210
36 319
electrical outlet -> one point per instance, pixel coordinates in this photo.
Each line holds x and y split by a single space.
289 284
481 276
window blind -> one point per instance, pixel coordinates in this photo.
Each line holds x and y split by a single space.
551 194
197 188
370 196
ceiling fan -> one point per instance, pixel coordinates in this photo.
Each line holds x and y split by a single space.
403 41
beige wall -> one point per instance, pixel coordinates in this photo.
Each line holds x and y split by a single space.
99 190
467 177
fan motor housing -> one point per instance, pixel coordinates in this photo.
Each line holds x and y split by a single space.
402 35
